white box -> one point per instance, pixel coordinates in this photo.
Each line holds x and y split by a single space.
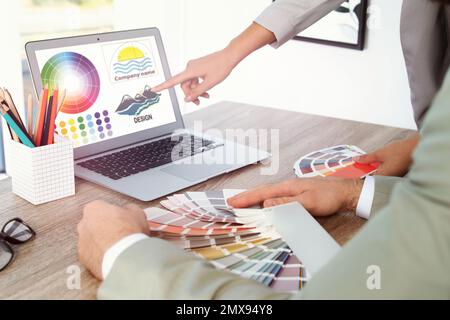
44 173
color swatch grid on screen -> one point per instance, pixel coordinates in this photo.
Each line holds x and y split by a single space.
86 129
335 162
240 241
75 73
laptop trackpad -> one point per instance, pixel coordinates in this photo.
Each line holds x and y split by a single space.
195 172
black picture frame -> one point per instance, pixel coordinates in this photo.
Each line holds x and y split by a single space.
361 38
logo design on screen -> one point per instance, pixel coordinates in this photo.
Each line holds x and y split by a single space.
132 61
135 106
77 75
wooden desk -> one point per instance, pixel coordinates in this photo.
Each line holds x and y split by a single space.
40 268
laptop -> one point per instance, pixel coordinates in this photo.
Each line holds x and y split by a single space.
125 136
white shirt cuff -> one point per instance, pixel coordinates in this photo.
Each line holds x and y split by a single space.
114 252
365 201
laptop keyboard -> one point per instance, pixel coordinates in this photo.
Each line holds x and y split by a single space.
143 157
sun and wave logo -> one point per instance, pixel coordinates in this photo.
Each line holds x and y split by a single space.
132 61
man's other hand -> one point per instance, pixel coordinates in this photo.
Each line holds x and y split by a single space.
320 196
101 227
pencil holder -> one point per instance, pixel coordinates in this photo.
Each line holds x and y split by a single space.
42 174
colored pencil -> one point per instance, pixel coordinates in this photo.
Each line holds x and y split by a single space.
19 124
30 115
61 101
41 116
41 96
8 116
13 136
48 114
3 102
8 105
13 109
54 111
11 132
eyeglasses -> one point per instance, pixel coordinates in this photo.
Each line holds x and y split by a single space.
15 232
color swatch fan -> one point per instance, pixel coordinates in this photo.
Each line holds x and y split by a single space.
333 162
240 241
75 73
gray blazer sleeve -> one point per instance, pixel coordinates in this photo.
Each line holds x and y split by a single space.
406 246
155 269
424 33
287 18
383 190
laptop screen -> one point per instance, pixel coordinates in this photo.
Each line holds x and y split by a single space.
107 89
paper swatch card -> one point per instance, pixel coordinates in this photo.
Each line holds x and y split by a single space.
333 162
240 241
305 235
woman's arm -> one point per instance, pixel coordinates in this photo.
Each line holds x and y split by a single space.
204 73
277 24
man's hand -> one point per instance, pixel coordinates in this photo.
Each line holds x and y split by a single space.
395 158
320 196
101 227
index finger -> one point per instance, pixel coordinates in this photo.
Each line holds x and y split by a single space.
179 78
258 195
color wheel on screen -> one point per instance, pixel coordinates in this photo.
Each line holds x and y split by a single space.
77 75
